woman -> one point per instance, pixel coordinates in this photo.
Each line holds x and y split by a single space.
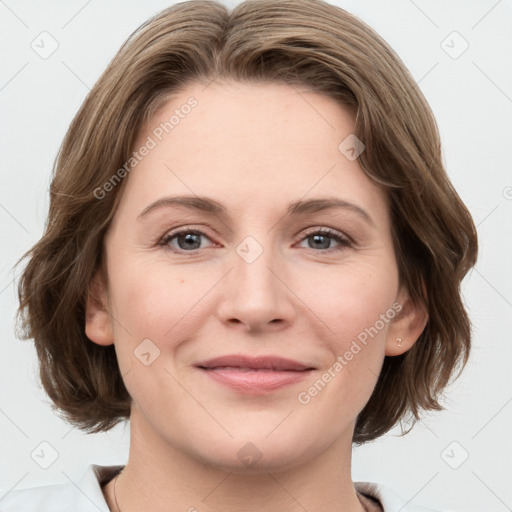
254 253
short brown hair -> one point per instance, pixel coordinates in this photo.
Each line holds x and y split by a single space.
303 42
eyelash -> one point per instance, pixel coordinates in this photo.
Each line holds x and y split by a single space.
343 241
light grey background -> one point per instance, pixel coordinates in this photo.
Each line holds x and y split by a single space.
471 96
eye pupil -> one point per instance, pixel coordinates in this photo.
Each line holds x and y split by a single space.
318 239
190 239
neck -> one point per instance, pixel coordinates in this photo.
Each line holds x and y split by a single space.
163 477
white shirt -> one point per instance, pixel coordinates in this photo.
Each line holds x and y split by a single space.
85 495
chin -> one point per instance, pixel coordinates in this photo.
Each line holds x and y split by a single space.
255 454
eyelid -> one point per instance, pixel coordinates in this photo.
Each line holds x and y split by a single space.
344 241
164 240
324 229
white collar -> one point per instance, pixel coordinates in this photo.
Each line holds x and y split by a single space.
85 495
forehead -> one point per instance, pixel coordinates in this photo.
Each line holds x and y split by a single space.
249 143
256 116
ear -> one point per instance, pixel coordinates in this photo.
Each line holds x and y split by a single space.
98 326
407 326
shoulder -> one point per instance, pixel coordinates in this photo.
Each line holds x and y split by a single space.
82 494
390 500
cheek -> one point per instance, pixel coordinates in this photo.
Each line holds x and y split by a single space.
155 309
153 301
350 298
355 307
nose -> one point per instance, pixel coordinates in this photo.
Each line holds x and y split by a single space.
256 295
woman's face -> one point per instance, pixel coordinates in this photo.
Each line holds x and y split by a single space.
226 242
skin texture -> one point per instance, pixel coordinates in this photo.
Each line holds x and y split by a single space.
254 148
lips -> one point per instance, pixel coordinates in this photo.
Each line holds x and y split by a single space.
254 375
241 362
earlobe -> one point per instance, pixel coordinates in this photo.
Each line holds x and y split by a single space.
406 328
98 326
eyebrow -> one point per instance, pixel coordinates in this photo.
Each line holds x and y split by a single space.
300 207
317 205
